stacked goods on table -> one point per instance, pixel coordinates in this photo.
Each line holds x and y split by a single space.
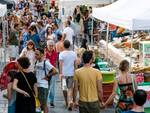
142 69
125 42
114 54
120 48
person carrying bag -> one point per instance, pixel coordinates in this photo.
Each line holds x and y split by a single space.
37 102
25 84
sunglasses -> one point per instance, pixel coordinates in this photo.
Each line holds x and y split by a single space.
30 44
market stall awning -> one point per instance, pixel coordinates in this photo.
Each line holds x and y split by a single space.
3 10
129 14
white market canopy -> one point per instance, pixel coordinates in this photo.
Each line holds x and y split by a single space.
69 5
129 14
3 10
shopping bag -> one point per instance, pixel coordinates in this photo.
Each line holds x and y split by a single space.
37 102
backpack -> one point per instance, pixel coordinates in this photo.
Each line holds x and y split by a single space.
4 80
44 68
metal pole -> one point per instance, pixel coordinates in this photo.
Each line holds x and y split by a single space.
4 38
92 40
131 51
48 3
107 40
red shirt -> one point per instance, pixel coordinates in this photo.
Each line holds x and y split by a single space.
51 56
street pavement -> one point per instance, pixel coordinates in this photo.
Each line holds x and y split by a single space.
60 104
3 102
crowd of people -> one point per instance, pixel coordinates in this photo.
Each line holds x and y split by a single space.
44 49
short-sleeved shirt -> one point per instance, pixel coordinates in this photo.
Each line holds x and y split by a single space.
68 58
132 112
69 34
22 84
25 104
87 78
40 73
52 57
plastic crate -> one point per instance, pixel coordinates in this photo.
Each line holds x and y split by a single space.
107 90
108 76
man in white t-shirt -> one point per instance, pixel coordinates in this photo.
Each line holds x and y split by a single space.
67 60
68 32
43 70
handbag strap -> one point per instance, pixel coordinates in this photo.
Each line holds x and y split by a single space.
28 83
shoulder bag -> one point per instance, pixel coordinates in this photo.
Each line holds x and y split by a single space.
37 102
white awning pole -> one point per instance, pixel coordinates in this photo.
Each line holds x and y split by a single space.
107 40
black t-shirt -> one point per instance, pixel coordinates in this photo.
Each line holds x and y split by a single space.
22 84
132 112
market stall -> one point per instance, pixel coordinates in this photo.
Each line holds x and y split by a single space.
132 15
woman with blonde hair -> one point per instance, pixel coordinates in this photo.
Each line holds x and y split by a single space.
124 82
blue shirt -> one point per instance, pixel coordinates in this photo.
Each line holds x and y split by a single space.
25 37
56 32
36 39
